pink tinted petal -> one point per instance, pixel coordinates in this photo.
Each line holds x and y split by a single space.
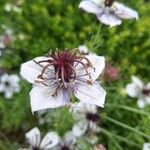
90 7
41 98
109 19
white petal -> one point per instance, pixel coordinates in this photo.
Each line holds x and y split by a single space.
125 12
69 138
91 94
80 128
83 49
41 98
109 18
98 64
30 70
34 137
132 90
141 103
146 146
93 126
50 140
8 94
14 78
90 7
137 82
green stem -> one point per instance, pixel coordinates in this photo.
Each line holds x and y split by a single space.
125 126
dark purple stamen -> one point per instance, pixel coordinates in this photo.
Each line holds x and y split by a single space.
65 147
94 117
146 92
108 3
35 148
64 64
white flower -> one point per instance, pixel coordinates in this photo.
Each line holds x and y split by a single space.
87 118
146 146
33 137
58 76
137 89
84 50
67 142
108 12
9 84
11 7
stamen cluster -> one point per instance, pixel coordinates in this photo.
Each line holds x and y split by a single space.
63 64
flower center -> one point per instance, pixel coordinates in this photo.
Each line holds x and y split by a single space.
65 147
35 148
7 84
94 117
108 3
64 66
146 92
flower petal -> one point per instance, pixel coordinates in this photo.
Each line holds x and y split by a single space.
137 82
30 70
146 146
90 7
125 12
34 137
109 18
41 98
98 64
91 94
132 90
80 128
50 140
69 138
141 103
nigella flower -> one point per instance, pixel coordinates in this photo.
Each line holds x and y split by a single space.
87 119
59 75
108 12
49 141
67 142
137 89
9 84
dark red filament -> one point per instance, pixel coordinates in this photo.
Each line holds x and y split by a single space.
108 3
64 64
146 92
94 117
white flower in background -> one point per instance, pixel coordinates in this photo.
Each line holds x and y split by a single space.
49 141
108 12
146 146
12 7
67 142
87 119
9 84
137 89
58 76
84 50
